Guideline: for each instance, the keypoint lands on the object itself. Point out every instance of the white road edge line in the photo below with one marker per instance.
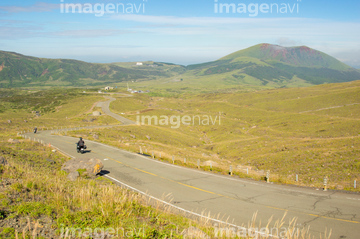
(164, 202)
(207, 173)
(186, 211)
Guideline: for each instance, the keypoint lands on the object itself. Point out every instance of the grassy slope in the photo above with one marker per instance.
(257, 67)
(240, 72)
(24, 71)
(32, 187)
(312, 132)
(274, 66)
(58, 108)
(37, 190)
(302, 55)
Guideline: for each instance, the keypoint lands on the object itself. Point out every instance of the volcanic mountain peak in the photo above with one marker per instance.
(296, 56)
(260, 65)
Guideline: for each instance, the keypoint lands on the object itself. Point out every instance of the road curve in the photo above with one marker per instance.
(105, 108)
(237, 199)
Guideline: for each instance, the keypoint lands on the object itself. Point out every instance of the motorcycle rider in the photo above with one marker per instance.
(81, 143)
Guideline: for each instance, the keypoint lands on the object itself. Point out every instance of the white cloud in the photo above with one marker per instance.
(350, 57)
(189, 39)
(18, 32)
(91, 33)
(293, 30)
(286, 41)
(198, 21)
(37, 7)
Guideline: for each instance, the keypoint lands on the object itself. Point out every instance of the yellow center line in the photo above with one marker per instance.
(206, 191)
(145, 172)
(199, 189)
(183, 184)
(338, 219)
(313, 215)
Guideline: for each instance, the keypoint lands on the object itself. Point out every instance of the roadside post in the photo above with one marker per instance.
(325, 183)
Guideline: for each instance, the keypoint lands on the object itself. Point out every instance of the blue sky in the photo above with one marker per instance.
(183, 32)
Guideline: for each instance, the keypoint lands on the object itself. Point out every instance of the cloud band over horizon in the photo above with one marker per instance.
(178, 38)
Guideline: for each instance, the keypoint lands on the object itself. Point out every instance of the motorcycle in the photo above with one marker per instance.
(80, 149)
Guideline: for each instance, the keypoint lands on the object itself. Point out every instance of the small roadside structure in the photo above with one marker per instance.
(109, 88)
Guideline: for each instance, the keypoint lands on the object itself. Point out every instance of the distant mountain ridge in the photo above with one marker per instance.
(278, 66)
(261, 65)
(17, 70)
(297, 56)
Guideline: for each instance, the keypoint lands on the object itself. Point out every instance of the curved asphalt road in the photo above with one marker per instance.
(237, 199)
(105, 108)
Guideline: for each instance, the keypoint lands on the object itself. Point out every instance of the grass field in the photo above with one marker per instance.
(36, 199)
(39, 202)
(311, 132)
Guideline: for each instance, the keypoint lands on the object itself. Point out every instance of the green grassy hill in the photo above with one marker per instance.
(302, 56)
(263, 66)
(277, 66)
(17, 70)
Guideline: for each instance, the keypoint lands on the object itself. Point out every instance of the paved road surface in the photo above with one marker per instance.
(238, 199)
(105, 108)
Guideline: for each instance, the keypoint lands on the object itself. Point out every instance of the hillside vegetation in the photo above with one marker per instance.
(37, 200)
(263, 66)
(276, 66)
(311, 132)
(17, 70)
